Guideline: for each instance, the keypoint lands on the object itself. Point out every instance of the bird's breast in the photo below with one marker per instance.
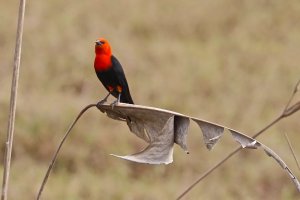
(102, 63)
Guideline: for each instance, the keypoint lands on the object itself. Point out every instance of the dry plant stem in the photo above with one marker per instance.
(58, 149)
(288, 110)
(13, 101)
(296, 89)
(292, 150)
(293, 94)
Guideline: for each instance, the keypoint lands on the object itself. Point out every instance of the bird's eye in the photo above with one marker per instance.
(102, 42)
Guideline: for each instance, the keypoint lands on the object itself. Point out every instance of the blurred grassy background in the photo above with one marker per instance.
(229, 61)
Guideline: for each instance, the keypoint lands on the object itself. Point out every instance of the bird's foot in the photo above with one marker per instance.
(100, 103)
(113, 104)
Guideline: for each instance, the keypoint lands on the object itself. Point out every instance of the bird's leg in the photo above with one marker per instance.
(116, 101)
(103, 100)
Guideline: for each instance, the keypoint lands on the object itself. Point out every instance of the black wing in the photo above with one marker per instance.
(117, 68)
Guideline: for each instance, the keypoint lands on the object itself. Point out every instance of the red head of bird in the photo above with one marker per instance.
(103, 55)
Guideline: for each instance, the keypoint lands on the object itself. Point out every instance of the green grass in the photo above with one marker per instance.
(231, 62)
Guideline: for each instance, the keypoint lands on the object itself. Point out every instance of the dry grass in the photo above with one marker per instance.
(231, 62)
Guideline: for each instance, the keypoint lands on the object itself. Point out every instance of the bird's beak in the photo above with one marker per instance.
(98, 42)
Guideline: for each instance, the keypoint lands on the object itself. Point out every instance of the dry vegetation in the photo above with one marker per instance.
(232, 62)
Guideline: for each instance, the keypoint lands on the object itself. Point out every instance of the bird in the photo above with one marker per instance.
(110, 72)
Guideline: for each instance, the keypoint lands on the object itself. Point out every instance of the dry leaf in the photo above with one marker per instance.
(162, 128)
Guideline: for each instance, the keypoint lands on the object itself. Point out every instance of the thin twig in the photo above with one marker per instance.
(58, 149)
(293, 94)
(292, 150)
(288, 110)
(13, 101)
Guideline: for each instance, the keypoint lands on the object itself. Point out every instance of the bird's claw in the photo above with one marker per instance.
(99, 104)
(113, 104)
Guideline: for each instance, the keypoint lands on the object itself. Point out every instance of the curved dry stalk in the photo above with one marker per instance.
(13, 100)
(58, 149)
(287, 111)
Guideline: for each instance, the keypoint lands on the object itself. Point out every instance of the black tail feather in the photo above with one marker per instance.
(126, 98)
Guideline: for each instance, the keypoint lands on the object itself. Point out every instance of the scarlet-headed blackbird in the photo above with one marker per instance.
(110, 73)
